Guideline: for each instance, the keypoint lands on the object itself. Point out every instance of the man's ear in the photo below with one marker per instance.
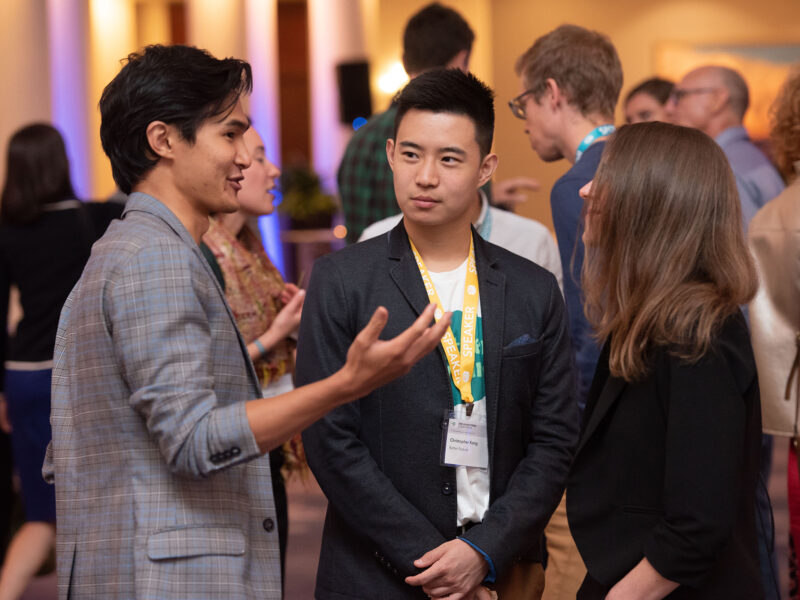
(161, 138)
(488, 167)
(390, 152)
(553, 94)
(720, 99)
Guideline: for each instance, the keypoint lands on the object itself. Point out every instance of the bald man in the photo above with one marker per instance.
(714, 100)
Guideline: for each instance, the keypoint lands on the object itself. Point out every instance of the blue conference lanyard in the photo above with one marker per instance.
(592, 137)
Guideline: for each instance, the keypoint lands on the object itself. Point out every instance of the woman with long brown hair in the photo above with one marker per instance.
(661, 495)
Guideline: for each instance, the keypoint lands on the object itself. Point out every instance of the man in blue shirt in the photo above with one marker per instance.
(570, 81)
(714, 100)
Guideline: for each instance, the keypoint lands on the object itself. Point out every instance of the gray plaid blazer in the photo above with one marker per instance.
(161, 491)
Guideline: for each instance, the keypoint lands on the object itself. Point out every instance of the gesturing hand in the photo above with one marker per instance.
(288, 318)
(288, 292)
(511, 192)
(453, 570)
(372, 363)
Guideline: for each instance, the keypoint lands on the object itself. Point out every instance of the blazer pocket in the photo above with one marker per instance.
(185, 542)
(642, 510)
(522, 350)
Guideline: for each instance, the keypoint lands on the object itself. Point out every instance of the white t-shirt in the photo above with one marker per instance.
(472, 484)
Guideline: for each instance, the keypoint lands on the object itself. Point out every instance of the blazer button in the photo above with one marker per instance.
(236, 451)
(447, 489)
(268, 524)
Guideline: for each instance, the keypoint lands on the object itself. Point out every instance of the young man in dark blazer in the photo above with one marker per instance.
(441, 482)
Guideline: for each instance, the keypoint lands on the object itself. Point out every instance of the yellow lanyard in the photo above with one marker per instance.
(461, 363)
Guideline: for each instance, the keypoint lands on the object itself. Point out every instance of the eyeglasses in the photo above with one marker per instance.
(678, 94)
(517, 105)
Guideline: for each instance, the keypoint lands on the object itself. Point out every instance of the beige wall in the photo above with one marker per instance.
(23, 69)
(635, 27)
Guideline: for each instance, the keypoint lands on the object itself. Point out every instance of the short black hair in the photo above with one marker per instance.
(451, 91)
(433, 37)
(655, 87)
(179, 85)
(37, 173)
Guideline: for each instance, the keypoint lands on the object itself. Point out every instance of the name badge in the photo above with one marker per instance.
(465, 440)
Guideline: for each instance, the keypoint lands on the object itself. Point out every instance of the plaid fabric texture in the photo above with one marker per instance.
(365, 180)
(161, 491)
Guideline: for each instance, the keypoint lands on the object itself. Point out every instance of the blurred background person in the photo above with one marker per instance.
(774, 237)
(714, 100)
(267, 310)
(661, 497)
(647, 101)
(46, 236)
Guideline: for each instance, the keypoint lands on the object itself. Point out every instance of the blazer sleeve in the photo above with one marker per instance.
(162, 342)
(538, 482)
(704, 467)
(361, 494)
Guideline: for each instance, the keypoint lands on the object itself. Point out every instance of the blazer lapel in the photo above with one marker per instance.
(492, 292)
(405, 272)
(608, 396)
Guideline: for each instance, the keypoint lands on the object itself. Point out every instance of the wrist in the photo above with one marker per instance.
(345, 385)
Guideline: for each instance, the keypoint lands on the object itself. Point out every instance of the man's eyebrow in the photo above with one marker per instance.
(445, 150)
(452, 150)
(239, 124)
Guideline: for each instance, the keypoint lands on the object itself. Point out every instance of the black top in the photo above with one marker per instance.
(44, 259)
(667, 468)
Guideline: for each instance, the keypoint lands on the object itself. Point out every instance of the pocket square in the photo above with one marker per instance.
(521, 341)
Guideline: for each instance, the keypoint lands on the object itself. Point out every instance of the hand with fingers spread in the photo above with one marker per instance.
(453, 570)
(372, 362)
(511, 192)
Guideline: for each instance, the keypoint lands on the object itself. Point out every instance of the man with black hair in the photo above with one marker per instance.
(444, 479)
(435, 37)
(162, 487)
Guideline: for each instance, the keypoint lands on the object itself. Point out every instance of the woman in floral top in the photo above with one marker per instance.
(267, 309)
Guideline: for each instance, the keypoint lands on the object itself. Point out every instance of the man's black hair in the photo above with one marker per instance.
(451, 91)
(179, 85)
(433, 37)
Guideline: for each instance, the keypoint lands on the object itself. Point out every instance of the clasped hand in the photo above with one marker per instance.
(453, 570)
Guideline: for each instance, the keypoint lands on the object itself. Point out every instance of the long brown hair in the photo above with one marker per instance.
(666, 259)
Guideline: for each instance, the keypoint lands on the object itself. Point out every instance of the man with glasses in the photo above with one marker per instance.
(570, 80)
(714, 100)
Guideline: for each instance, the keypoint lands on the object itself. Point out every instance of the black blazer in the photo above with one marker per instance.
(667, 468)
(377, 459)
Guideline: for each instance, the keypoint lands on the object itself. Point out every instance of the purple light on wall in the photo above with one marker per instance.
(67, 35)
(261, 27)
